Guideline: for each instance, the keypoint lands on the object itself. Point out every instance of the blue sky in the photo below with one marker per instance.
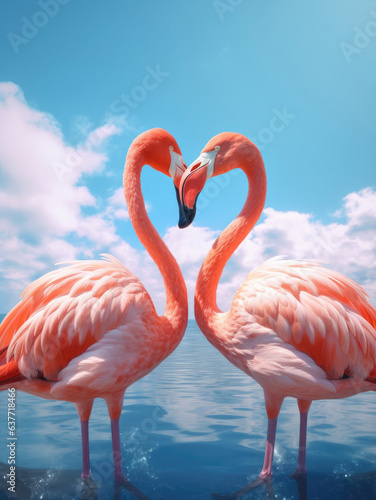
(218, 65)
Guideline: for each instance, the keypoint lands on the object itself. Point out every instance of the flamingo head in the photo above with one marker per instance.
(161, 151)
(217, 157)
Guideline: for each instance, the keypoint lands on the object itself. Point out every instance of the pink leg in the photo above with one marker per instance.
(115, 405)
(116, 449)
(85, 449)
(273, 404)
(304, 408)
(302, 444)
(269, 449)
(84, 411)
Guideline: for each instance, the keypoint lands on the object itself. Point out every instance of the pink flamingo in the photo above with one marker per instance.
(297, 328)
(90, 330)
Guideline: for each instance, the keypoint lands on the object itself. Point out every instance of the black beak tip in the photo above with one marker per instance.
(186, 217)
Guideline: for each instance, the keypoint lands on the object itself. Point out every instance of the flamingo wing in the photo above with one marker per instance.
(318, 311)
(66, 311)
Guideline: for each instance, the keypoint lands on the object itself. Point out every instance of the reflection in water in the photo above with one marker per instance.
(243, 493)
(194, 426)
(44, 484)
(127, 485)
(323, 487)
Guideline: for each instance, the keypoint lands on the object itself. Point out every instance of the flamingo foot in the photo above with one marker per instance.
(266, 474)
(89, 487)
(119, 477)
(85, 476)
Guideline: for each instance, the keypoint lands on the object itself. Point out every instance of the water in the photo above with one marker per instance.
(194, 427)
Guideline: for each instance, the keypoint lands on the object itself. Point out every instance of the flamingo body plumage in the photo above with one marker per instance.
(90, 329)
(295, 336)
(75, 319)
(299, 329)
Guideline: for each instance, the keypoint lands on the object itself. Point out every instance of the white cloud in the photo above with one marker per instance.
(116, 208)
(31, 193)
(97, 229)
(39, 208)
(191, 244)
(117, 199)
(41, 203)
(360, 209)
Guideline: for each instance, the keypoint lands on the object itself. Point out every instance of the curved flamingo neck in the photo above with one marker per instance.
(176, 310)
(229, 240)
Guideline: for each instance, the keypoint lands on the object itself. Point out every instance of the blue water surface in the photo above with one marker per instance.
(194, 428)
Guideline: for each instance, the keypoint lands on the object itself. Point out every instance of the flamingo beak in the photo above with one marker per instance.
(177, 170)
(186, 215)
(191, 184)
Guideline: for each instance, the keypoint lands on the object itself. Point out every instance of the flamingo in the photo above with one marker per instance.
(90, 330)
(297, 328)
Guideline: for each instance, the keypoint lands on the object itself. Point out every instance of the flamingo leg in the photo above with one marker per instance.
(116, 450)
(84, 411)
(302, 443)
(273, 405)
(303, 408)
(115, 405)
(85, 449)
(269, 449)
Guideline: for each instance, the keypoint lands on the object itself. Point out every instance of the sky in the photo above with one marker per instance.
(80, 80)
